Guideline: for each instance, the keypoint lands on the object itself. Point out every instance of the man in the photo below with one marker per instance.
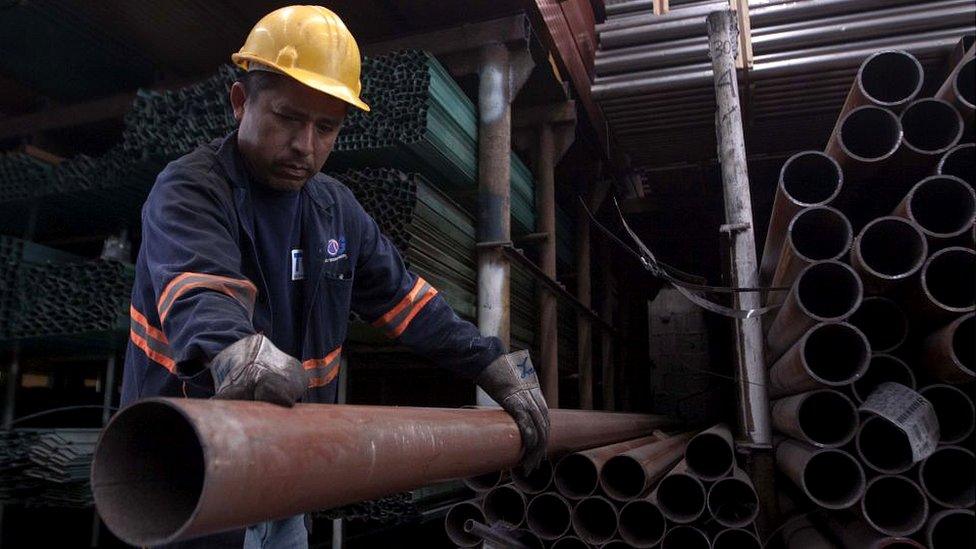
(251, 259)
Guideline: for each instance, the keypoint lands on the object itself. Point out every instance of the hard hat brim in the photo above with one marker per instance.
(315, 81)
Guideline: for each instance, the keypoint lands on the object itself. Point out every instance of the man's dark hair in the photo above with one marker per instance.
(256, 82)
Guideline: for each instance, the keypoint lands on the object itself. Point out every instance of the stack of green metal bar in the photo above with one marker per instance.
(15, 254)
(21, 176)
(46, 467)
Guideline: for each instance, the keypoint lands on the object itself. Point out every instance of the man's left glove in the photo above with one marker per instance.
(511, 381)
(254, 369)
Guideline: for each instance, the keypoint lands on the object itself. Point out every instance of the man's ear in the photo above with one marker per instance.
(237, 99)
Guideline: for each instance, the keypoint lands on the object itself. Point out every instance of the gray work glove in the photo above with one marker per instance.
(254, 369)
(511, 381)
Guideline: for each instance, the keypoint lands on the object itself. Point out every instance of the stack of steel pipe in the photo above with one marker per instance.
(888, 313)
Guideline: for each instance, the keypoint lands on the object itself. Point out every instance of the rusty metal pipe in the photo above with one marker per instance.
(732, 501)
(945, 289)
(595, 520)
(336, 454)
(534, 482)
(505, 504)
(829, 354)
(736, 538)
(883, 322)
(577, 475)
(823, 418)
(943, 207)
(959, 161)
(549, 516)
(887, 252)
(826, 291)
(569, 542)
(959, 88)
(807, 179)
(485, 482)
(830, 477)
(641, 523)
(883, 447)
(865, 138)
(685, 537)
(680, 495)
(631, 474)
(882, 368)
(457, 516)
(951, 528)
(948, 353)
(894, 505)
(890, 78)
(948, 477)
(814, 234)
(954, 411)
(710, 454)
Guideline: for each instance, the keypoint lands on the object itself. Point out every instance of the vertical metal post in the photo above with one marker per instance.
(545, 206)
(723, 41)
(109, 389)
(494, 195)
(10, 389)
(338, 533)
(583, 326)
(606, 338)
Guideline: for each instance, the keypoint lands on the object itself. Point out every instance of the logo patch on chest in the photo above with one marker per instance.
(336, 246)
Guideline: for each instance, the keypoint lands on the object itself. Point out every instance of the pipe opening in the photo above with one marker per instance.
(895, 505)
(931, 126)
(965, 83)
(148, 473)
(883, 322)
(836, 354)
(954, 410)
(943, 206)
(576, 476)
(505, 504)
(548, 515)
(735, 538)
(709, 456)
(949, 477)
(623, 478)
(828, 290)
(964, 343)
(681, 498)
(733, 502)
(960, 162)
(819, 234)
(891, 247)
(685, 537)
(833, 479)
(595, 520)
(882, 368)
(956, 528)
(535, 482)
(883, 446)
(870, 134)
(811, 178)
(641, 524)
(948, 278)
(485, 482)
(828, 418)
(891, 77)
(454, 523)
(569, 542)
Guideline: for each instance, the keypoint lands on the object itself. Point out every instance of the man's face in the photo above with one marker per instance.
(286, 132)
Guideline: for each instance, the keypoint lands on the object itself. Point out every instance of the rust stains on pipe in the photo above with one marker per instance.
(814, 234)
(883, 446)
(595, 520)
(736, 538)
(951, 528)
(680, 495)
(577, 475)
(823, 418)
(549, 516)
(240, 463)
(505, 504)
(945, 289)
(631, 474)
(685, 537)
(948, 477)
(882, 368)
(949, 354)
(894, 505)
(641, 523)
(732, 501)
(710, 454)
(457, 516)
(959, 161)
(887, 252)
(943, 207)
(829, 354)
(537, 481)
(954, 411)
(883, 322)
(830, 477)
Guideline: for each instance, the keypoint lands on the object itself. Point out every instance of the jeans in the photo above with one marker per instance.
(288, 533)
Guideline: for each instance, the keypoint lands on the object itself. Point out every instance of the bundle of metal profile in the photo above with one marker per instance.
(15, 255)
(46, 467)
(22, 176)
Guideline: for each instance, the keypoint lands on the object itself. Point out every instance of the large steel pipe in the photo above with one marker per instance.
(710, 454)
(595, 520)
(230, 454)
(943, 207)
(948, 477)
(631, 474)
(577, 475)
(823, 418)
(549, 516)
(680, 495)
(930, 128)
(894, 505)
(814, 234)
(831, 478)
(890, 79)
(954, 411)
(457, 517)
(883, 322)
(535, 481)
(882, 368)
(887, 252)
(951, 529)
(830, 354)
(685, 537)
(641, 523)
(949, 355)
(732, 501)
(826, 291)
(505, 504)
(883, 446)
(959, 161)
(864, 139)
(736, 538)
(960, 87)
(945, 289)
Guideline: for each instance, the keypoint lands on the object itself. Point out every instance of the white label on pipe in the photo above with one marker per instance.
(910, 412)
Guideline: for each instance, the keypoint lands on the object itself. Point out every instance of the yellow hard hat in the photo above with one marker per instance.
(310, 44)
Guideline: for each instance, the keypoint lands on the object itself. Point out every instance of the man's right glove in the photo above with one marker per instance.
(254, 369)
(511, 381)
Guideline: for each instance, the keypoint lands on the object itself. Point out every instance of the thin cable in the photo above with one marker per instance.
(61, 409)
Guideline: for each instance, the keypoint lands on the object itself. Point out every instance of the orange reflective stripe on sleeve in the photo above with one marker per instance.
(398, 319)
(323, 370)
(150, 340)
(242, 290)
